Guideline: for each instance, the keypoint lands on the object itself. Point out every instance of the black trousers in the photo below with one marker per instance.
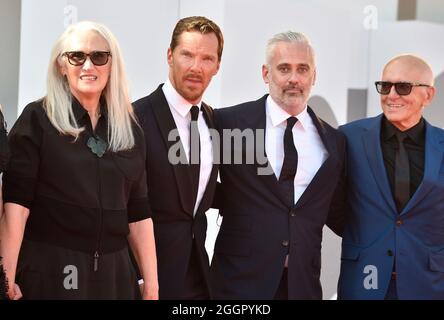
(282, 291)
(195, 287)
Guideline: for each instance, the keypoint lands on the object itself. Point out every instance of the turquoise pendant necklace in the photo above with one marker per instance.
(97, 146)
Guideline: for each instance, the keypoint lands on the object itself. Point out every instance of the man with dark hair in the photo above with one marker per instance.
(181, 188)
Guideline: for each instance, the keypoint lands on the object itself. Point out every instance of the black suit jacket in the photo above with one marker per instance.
(258, 228)
(172, 198)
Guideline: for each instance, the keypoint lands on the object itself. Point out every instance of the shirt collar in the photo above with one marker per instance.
(415, 133)
(279, 115)
(79, 111)
(176, 101)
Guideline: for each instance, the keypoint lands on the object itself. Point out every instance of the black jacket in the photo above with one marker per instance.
(76, 199)
(171, 198)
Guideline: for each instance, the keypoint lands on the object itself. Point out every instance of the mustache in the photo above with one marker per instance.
(293, 87)
(193, 77)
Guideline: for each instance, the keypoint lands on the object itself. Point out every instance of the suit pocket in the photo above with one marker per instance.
(436, 261)
(350, 252)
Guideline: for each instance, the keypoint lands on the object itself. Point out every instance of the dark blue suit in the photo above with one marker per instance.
(376, 235)
(259, 228)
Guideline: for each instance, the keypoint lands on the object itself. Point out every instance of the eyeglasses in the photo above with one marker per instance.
(78, 58)
(402, 88)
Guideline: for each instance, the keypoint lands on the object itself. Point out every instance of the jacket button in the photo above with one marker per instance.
(285, 243)
(390, 253)
(292, 213)
(399, 223)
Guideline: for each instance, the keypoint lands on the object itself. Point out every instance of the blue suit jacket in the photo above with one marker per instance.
(376, 236)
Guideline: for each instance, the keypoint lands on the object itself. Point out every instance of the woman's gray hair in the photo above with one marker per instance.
(288, 36)
(58, 100)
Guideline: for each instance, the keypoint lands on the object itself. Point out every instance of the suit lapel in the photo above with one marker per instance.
(257, 122)
(166, 124)
(209, 191)
(208, 115)
(330, 164)
(434, 153)
(372, 147)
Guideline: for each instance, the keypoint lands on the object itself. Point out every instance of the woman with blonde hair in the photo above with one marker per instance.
(75, 189)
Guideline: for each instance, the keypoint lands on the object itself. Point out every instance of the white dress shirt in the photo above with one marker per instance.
(308, 143)
(180, 109)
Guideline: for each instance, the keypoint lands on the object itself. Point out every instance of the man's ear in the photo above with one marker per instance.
(430, 93)
(314, 78)
(217, 68)
(170, 57)
(265, 73)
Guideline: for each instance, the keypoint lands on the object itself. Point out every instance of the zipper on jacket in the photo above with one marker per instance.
(96, 261)
(99, 235)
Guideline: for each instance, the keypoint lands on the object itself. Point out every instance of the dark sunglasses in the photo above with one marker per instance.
(78, 58)
(402, 88)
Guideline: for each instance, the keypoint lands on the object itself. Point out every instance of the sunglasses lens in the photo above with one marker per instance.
(76, 58)
(383, 87)
(99, 58)
(403, 88)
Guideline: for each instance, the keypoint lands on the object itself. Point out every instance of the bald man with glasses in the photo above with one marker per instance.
(393, 196)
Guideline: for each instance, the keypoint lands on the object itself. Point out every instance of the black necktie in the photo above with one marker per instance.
(288, 172)
(402, 173)
(194, 158)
